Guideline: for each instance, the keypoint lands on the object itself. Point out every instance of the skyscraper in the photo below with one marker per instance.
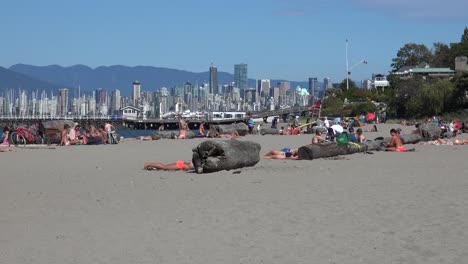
(313, 88)
(263, 87)
(327, 83)
(115, 104)
(240, 76)
(136, 93)
(213, 79)
(62, 102)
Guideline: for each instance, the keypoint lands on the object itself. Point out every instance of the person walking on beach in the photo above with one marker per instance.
(395, 143)
(182, 128)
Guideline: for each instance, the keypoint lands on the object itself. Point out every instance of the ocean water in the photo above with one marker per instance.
(131, 133)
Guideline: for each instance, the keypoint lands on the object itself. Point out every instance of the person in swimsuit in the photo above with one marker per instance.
(65, 141)
(395, 143)
(285, 153)
(318, 137)
(6, 134)
(178, 165)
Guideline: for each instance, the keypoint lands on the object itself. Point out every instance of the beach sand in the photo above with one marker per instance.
(95, 204)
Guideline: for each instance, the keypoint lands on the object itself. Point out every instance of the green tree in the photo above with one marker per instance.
(410, 55)
(331, 105)
(436, 97)
(443, 57)
(351, 85)
(460, 92)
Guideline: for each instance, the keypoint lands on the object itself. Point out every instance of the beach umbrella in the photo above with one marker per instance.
(362, 118)
(370, 116)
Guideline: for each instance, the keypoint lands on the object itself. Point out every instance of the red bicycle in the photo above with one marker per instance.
(22, 136)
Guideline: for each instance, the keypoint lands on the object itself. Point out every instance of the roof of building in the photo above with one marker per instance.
(431, 70)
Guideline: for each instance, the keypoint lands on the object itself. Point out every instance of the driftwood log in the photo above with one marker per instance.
(241, 128)
(211, 156)
(170, 135)
(269, 131)
(53, 129)
(425, 132)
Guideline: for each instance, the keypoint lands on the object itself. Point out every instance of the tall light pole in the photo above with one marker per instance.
(349, 69)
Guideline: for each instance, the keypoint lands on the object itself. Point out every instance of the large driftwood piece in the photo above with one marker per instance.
(269, 131)
(210, 156)
(170, 135)
(241, 128)
(425, 132)
(53, 129)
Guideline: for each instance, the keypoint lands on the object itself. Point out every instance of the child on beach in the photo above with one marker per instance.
(6, 134)
(395, 143)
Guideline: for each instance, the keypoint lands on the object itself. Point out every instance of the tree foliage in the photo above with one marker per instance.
(410, 55)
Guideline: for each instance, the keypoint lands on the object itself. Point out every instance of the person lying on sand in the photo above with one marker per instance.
(5, 149)
(440, 141)
(142, 138)
(285, 153)
(178, 165)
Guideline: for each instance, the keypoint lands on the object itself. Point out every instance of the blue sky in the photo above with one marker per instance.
(278, 39)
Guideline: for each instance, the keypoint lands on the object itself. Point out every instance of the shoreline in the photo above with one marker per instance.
(96, 204)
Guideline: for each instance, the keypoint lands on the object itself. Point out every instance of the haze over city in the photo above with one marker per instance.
(278, 39)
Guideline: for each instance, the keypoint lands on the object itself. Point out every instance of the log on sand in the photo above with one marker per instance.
(211, 156)
(241, 128)
(170, 135)
(425, 132)
(269, 131)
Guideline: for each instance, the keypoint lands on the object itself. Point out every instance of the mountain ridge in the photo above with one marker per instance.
(121, 77)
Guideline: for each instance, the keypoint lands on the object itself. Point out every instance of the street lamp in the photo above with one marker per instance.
(348, 70)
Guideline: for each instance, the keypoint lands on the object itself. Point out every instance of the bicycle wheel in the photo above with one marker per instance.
(17, 139)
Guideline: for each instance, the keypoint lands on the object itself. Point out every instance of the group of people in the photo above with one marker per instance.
(89, 136)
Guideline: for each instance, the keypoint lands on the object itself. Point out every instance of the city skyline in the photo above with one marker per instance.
(300, 38)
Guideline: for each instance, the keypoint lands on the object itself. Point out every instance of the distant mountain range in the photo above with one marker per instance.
(53, 77)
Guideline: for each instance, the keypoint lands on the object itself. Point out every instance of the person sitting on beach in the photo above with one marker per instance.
(395, 143)
(178, 165)
(201, 129)
(76, 137)
(318, 137)
(108, 127)
(285, 153)
(359, 136)
(281, 131)
(93, 137)
(373, 129)
(65, 139)
(6, 134)
(103, 134)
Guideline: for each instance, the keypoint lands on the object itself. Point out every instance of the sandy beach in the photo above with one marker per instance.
(96, 204)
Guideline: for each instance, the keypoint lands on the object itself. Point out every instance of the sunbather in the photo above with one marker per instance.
(285, 153)
(178, 165)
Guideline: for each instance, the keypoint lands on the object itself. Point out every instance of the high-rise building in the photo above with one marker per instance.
(263, 87)
(115, 101)
(240, 76)
(62, 101)
(327, 83)
(284, 87)
(213, 79)
(136, 93)
(313, 89)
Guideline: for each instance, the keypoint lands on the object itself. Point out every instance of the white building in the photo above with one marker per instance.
(130, 112)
